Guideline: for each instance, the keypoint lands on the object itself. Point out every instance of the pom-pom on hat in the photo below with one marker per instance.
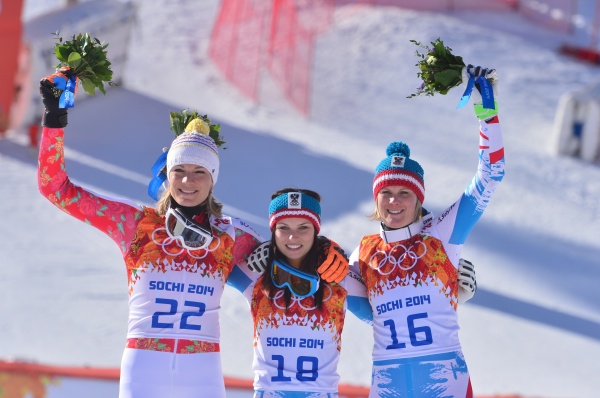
(295, 204)
(194, 146)
(399, 169)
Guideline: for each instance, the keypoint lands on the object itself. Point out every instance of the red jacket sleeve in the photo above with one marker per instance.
(116, 218)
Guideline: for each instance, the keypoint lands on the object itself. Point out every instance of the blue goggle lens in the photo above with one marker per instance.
(300, 283)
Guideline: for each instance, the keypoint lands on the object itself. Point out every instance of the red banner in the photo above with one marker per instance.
(10, 43)
(277, 36)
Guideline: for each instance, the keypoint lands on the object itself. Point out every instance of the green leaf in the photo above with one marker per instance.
(176, 123)
(62, 53)
(74, 60)
(447, 77)
(88, 86)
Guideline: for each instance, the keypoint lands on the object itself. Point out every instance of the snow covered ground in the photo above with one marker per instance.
(534, 326)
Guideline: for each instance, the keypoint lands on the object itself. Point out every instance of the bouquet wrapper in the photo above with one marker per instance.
(486, 90)
(68, 85)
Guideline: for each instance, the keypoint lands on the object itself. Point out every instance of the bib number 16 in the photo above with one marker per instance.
(419, 335)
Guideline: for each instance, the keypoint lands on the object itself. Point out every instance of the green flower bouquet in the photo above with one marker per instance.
(86, 57)
(439, 69)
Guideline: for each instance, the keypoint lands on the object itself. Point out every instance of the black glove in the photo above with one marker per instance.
(54, 116)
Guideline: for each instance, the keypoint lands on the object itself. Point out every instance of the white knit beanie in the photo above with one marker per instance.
(194, 148)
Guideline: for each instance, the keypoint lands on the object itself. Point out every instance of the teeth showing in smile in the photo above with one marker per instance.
(293, 246)
(395, 211)
(184, 191)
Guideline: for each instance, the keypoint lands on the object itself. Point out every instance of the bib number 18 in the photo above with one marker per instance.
(307, 368)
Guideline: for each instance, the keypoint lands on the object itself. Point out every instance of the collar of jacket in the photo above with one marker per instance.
(404, 233)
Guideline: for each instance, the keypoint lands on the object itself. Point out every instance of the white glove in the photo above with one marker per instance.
(257, 261)
(467, 285)
(477, 71)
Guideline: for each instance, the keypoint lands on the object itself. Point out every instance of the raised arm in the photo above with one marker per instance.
(462, 216)
(116, 218)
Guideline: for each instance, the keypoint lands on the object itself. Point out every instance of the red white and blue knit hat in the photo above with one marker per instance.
(398, 169)
(295, 204)
(194, 148)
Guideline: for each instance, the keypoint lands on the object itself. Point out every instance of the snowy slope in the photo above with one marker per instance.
(534, 326)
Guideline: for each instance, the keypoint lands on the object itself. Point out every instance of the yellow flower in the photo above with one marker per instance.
(198, 125)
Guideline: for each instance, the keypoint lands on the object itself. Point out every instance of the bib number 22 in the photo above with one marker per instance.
(197, 309)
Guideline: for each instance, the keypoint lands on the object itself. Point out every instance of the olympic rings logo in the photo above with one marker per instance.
(278, 297)
(382, 260)
(166, 244)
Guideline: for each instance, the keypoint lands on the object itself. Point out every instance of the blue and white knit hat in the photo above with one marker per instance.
(398, 169)
(295, 204)
(194, 148)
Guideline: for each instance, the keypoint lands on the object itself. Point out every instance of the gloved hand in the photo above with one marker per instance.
(477, 71)
(54, 116)
(333, 262)
(492, 77)
(467, 285)
(257, 261)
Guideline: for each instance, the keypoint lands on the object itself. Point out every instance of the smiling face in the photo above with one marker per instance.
(294, 237)
(189, 184)
(396, 206)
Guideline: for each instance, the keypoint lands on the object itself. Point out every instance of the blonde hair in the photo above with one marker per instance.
(375, 216)
(213, 206)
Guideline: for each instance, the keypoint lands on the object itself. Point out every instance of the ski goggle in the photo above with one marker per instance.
(187, 232)
(300, 283)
